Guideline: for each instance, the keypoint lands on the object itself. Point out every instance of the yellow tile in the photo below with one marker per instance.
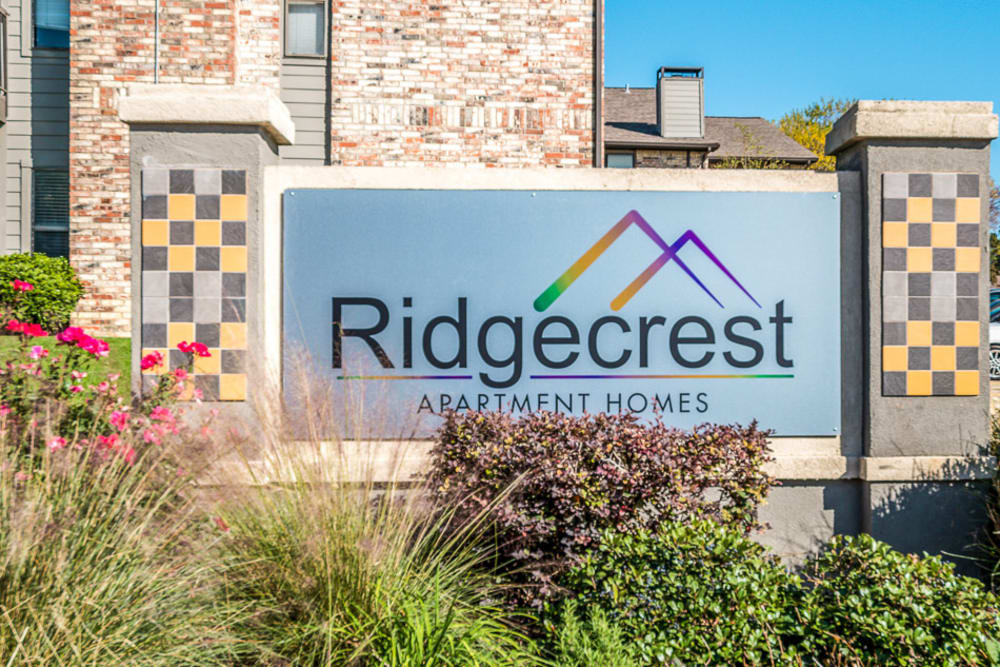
(894, 235)
(187, 390)
(161, 367)
(180, 258)
(967, 383)
(233, 207)
(233, 387)
(967, 209)
(943, 234)
(967, 259)
(209, 365)
(967, 334)
(233, 258)
(918, 334)
(178, 332)
(209, 232)
(918, 259)
(155, 232)
(233, 335)
(919, 209)
(180, 207)
(918, 383)
(894, 358)
(942, 358)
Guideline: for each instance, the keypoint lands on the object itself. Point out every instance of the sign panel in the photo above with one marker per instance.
(700, 306)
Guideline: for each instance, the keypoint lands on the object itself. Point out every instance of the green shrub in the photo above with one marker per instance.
(570, 478)
(870, 604)
(55, 294)
(698, 593)
(589, 641)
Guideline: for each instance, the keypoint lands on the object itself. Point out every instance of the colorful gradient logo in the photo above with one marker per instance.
(562, 283)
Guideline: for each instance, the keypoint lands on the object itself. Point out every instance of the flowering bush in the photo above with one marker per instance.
(52, 397)
(562, 480)
(38, 289)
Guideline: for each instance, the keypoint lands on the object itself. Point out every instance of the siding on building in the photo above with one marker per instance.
(303, 90)
(37, 120)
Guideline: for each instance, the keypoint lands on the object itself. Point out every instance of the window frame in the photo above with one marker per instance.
(326, 29)
(32, 34)
(608, 154)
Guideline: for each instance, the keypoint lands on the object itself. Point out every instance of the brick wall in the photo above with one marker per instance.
(662, 159)
(492, 82)
(112, 46)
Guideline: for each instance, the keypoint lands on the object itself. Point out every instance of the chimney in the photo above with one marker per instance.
(680, 102)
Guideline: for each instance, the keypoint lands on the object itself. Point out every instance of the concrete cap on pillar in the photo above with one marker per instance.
(201, 104)
(907, 119)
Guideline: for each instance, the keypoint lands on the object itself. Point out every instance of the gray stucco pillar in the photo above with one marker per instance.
(198, 155)
(925, 301)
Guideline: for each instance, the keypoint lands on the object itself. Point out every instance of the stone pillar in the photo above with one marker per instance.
(925, 191)
(197, 160)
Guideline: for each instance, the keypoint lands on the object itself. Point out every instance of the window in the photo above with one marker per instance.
(52, 24)
(620, 160)
(50, 212)
(305, 28)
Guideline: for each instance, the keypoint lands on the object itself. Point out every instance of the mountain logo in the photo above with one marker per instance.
(562, 283)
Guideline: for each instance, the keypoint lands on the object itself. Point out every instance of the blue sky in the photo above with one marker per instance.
(763, 58)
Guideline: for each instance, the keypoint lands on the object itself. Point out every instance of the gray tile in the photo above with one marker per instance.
(181, 284)
(894, 384)
(968, 185)
(895, 186)
(206, 207)
(181, 232)
(154, 335)
(919, 234)
(234, 310)
(181, 309)
(149, 384)
(943, 210)
(154, 258)
(234, 182)
(943, 259)
(967, 358)
(920, 185)
(943, 383)
(967, 235)
(944, 186)
(155, 309)
(894, 210)
(919, 358)
(894, 259)
(155, 182)
(154, 207)
(919, 308)
(894, 309)
(234, 361)
(207, 333)
(943, 333)
(942, 308)
(943, 283)
(894, 333)
(207, 284)
(209, 181)
(209, 386)
(207, 310)
(206, 259)
(967, 284)
(234, 284)
(234, 233)
(176, 359)
(894, 283)
(967, 309)
(155, 283)
(918, 284)
(181, 181)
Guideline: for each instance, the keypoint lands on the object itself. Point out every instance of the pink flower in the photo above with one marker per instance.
(15, 326)
(151, 360)
(162, 414)
(38, 352)
(108, 441)
(180, 374)
(4, 410)
(33, 330)
(22, 286)
(78, 375)
(194, 348)
(149, 435)
(21, 476)
(198, 394)
(129, 455)
(75, 388)
(221, 523)
(70, 335)
(56, 443)
(103, 387)
(119, 419)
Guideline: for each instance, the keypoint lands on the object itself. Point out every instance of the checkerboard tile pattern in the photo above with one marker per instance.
(931, 261)
(194, 274)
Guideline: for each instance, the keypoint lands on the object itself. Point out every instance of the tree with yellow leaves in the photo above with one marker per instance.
(810, 125)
